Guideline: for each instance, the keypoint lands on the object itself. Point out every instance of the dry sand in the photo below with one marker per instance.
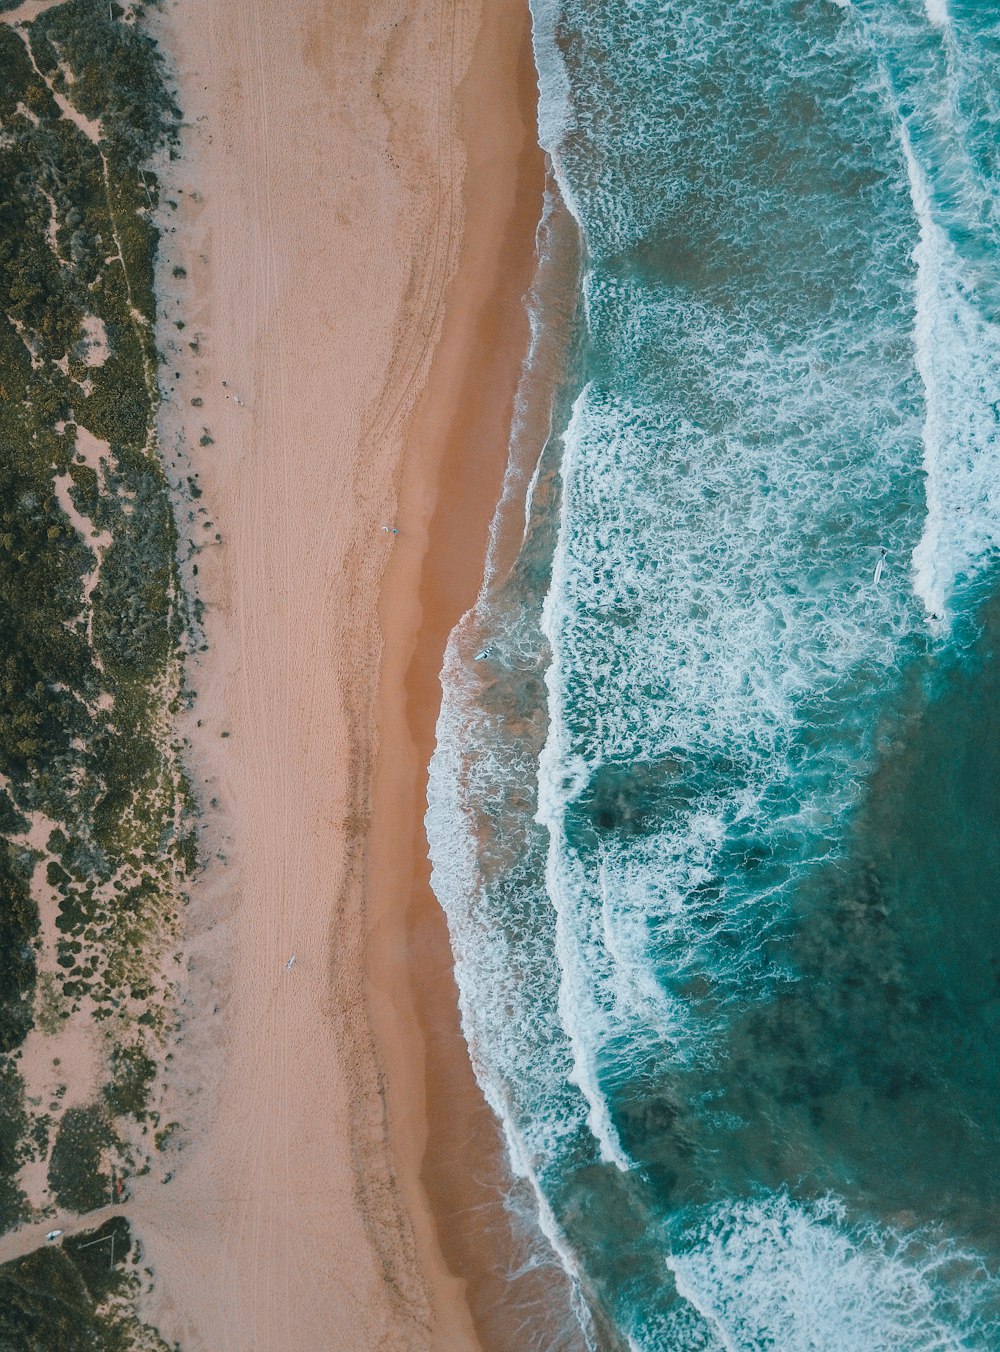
(357, 200)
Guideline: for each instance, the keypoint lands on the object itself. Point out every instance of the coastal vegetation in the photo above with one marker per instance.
(14, 1148)
(76, 1297)
(96, 816)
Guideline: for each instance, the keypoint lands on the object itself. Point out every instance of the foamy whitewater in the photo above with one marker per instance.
(715, 808)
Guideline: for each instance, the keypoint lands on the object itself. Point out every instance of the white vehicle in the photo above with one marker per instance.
(52, 1235)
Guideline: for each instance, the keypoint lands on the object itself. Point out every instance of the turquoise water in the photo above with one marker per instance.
(716, 817)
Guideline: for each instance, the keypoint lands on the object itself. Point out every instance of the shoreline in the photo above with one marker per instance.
(326, 335)
(466, 410)
(525, 1276)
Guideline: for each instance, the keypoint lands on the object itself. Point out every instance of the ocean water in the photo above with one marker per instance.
(715, 807)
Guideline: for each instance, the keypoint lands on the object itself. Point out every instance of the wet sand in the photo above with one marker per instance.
(356, 204)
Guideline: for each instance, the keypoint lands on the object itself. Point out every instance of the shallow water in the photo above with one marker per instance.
(714, 821)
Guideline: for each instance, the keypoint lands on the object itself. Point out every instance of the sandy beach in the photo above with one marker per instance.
(356, 205)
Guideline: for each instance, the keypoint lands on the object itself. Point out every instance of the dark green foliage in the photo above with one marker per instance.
(91, 1253)
(76, 1176)
(132, 628)
(43, 660)
(44, 1304)
(132, 1074)
(56, 875)
(83, 766)
(79, 731)
(82, 858)
(14, 1126)
(17, 72)
(55, 159)
(50, 1299)
(138, 237)
(118, 74)
(189, 851)
(119, 410)
(86, 493)
(18, 926)
(12, 822)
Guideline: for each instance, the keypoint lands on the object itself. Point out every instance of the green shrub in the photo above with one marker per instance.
(91, 1253)
(18, 927)
(14, 1127)
(132, 1073)
(44, 1305)
(52, 1298)
(118, 75)
(76, 1176)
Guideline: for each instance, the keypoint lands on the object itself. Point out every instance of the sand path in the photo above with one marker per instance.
(320, 225)
(27, 1238)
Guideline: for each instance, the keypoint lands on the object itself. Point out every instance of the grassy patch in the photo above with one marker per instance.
(50, 1004)
(133, 1072)
(18, 927)
(73, 1297)
(14, 1128)
(79, 1175)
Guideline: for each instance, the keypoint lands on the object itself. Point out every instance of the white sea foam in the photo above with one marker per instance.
(513, 1037)
(711, 659)
(521, 471)
(555, 101)
(937, 12)
(576, 955)
(777, 1273)
(957, 353)
(930, 576)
